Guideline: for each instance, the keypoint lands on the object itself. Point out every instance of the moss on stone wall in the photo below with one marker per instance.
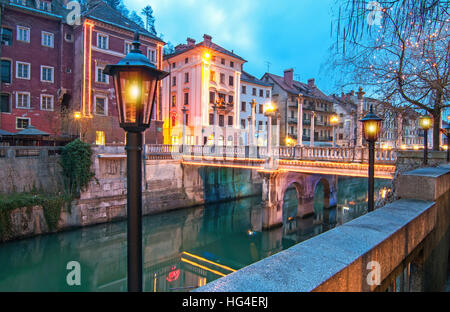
(50, 203)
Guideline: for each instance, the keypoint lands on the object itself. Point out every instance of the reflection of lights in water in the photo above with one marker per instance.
(346, 208)
(290, 218)
(351, 203)
(250, 232)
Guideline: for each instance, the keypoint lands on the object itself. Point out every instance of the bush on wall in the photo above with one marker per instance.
(76, 164)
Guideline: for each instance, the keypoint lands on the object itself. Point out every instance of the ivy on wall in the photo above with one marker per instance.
(76, 165)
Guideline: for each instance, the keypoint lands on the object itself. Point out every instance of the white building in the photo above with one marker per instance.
(259, 93)
(200, 75)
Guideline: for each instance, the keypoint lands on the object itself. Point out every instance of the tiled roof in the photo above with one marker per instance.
(252, 79)
(102, 12)
(210, 45)
(299, 87)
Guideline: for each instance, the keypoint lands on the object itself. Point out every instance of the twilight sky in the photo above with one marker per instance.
(286, 33)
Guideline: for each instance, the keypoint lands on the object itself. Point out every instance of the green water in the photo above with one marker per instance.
(182, 249)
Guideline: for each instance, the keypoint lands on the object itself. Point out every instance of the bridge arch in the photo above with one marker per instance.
(275, 185)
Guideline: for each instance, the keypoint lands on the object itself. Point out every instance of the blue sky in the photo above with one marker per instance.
(287, 33)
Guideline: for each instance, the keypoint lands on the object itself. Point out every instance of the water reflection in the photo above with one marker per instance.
(182, 249)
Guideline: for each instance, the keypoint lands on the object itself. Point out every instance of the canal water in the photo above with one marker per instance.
(183, 249)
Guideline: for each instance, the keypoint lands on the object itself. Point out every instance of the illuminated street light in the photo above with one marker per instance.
(425, 123)
(371, 130)
(135, 83)
(269, 112)
(334, 119)
(77, 117)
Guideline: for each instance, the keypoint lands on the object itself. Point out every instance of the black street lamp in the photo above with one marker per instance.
(425, 123)
(371, 132)
(135, 82)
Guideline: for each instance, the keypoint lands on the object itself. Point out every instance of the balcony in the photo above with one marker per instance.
(292, 120)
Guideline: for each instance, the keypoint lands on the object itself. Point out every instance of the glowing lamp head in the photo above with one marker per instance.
(269, 109)
(371, 125)
(77, 115)
(334, 119)
(206, 56)
(135, 83)
(425, 122)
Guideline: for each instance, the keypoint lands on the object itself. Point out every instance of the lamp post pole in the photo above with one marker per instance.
(371, 125)
(132, 76)
(425, 147)
(371, 192)
(134, 210)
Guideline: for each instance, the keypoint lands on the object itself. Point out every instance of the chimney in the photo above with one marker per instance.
(289, 77)
(180, 47)
(311, 83)
(190, 42)
(207, 39)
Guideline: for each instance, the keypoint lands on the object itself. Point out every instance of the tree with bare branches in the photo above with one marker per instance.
(400, 50)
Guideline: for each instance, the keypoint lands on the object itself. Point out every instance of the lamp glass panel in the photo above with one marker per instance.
(371, 129)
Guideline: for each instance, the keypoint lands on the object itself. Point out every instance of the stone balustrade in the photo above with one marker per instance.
(335, 154)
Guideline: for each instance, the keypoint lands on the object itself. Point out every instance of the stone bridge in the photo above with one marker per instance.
(275, 185)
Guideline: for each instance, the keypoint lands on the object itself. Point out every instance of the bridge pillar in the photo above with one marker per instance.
(272, 205)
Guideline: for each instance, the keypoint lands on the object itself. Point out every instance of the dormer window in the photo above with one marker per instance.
(45, 6)
(151, 55)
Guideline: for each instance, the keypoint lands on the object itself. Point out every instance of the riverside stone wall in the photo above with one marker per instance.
(167, 185)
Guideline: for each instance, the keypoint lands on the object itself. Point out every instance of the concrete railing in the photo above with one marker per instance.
(403, 246)
(335, 154)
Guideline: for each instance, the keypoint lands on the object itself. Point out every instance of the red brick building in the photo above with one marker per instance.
(50, 69)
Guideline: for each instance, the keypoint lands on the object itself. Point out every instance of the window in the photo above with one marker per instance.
(68, 37)
(231, 64)
(186, 77)
(260, 125)
(254, 91)
(102, 41)
(174, 100)
(187, 119)
(244, 90)
(99, 137)
(128, 47)
(47, 73)
(222, 78)
(22, 70)
(211, 119)
(230, 99)
(46, 102)
(242, 123)
(261, 92)
(212, 97)
(47, 39)
(6, 71)
(174, 81)
(243, 107)
(23, 100)
(101, 76)
(212, 76)
(261, 109)
(22, 123)
(101, 105)
(222, 61)
(221, 120)
(231, 80)
(152, 55)
(230, 121)
(6, 36)
(5, 103)
(186, 60)
(267, 94)
(23, 34)
(45, 6)
(173, 64)
(186, 98)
